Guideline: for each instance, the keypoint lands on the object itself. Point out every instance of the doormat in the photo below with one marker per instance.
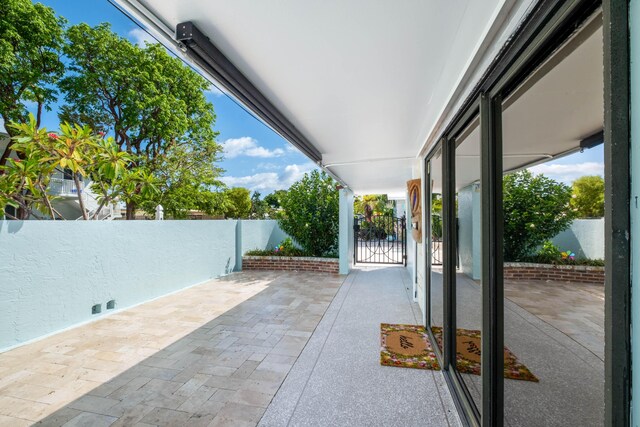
(408, 346)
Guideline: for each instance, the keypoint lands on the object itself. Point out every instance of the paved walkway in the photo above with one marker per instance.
(338, 379)
(214, 354)
(576, 309)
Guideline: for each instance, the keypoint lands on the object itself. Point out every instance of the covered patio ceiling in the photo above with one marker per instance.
(365, 83)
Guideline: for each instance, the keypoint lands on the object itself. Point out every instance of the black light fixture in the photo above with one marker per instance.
(592, 141)
(195, 44)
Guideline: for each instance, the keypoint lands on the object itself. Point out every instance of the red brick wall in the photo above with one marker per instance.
(317, 265)
(561, 273)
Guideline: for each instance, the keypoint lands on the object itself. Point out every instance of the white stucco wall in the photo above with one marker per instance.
(257, 234)
(53, 272)
(585, 237)
(345, 242)
(469, 231)
(412, 248)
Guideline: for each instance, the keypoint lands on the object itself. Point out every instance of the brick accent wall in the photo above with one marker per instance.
(316, 265)
(560, 273)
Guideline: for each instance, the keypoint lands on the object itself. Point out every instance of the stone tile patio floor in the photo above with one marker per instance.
(217, 353)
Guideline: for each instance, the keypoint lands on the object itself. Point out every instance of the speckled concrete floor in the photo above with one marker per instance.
(338, 379)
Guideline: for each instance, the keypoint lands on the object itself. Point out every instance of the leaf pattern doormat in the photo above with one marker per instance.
(408, 346)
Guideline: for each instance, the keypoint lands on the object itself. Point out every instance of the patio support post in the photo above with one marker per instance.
(492, 262)
(634, 25)
(449, 253)
(345, 239)
(617, 305)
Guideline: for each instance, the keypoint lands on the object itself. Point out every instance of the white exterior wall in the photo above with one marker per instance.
(345, 242)
(470, 231)
(53, 272)
(585, 237)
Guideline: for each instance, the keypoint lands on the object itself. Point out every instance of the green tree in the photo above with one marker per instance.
(31, 37)
(188, 179)
(588, 196)
(536, 208)
(273, 199)
(155, 107)
(259, 207)
(310, 213)
(238, 203)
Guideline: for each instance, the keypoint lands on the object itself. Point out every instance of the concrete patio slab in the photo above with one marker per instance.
(213, 354)
(338, 379)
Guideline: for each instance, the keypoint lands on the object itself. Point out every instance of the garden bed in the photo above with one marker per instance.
(290, 263)
(560, 273)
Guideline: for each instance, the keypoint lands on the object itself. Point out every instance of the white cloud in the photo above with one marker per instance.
(267, 166)
(291, 149)
(214, 91)
(267, 182)
(568, 173)
(247, 146)
(140, 37)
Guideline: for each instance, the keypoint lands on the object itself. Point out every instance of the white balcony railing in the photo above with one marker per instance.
(63, 187)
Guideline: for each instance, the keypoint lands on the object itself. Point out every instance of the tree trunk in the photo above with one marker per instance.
(22, 213)
(76, 180)
(97, 212)
(131, 211)
(39, 115)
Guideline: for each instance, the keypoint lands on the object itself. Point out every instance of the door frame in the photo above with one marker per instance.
(546, 27)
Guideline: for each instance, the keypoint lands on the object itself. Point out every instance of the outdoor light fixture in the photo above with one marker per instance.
(212, 60)
(592, 141)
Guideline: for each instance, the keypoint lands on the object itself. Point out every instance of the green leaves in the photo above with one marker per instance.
(310, 213)
(31, 38)
(238, 203)
(588, 196)
(536, 208)
(157, 111)
(163, 148)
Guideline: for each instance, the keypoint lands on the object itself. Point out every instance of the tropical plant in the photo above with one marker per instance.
(31, 38)
(285, 248)
(373, 204)
(77, 149)
(588, 196)
(310, 213)
(548, 253)
(155, 107)
(536, 208)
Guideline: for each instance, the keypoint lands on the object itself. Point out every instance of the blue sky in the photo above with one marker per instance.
(256, 157)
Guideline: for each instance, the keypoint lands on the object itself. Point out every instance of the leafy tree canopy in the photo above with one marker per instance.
(259, 207)
(310, 213)
(273, 199)
(536, 208)
(155, 107)
(31, 37)
(588, 196)
(238, 203)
